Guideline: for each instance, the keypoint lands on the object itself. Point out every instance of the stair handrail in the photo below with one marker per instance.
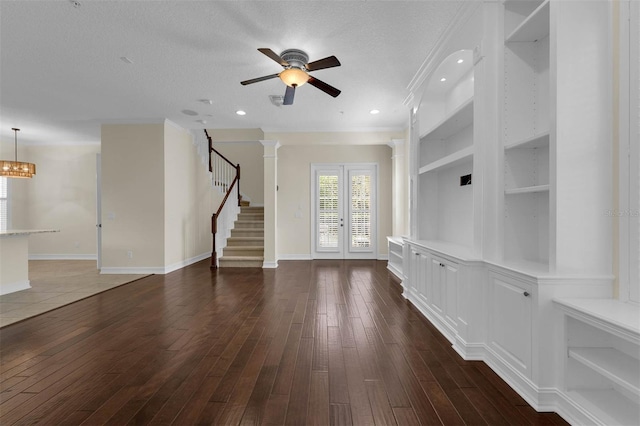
(235, 183)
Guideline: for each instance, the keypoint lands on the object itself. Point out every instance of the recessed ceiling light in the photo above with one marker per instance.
(374, 112)
(241, 112)
(189, 112)
(75, 3)
(202, 121)
(443, 79)
(126, 60)
(460, 61)
(206, 101)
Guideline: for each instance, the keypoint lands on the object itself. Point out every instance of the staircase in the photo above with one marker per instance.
(245, 247)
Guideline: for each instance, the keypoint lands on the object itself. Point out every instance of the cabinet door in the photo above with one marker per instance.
(423, 276)
(450, 284)
(510, 321)
(436, 294)
(414, 270)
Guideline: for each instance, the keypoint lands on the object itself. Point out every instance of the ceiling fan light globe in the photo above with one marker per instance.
(294, 77)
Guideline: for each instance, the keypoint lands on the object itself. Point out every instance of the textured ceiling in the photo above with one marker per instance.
(61, 73)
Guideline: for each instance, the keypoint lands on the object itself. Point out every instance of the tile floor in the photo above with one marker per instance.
(56, 283)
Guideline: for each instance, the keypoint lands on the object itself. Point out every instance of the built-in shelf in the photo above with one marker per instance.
(527, 190)
(524, 267)
(534, 28)
(450, 160)
(618, 367)
(622, 319)
(608, 406)
(460, 118)
(540, 140)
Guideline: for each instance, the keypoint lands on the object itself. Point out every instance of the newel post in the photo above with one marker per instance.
(214, 229)
(238, 182)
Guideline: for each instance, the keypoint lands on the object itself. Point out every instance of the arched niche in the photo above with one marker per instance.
(448, 87)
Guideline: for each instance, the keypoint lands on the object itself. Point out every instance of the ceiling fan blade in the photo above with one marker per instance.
(256, 80)
(273, 55)
(288, 95)
(321, 64)
(329, 90)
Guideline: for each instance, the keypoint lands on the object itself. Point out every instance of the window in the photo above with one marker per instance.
(4, 209)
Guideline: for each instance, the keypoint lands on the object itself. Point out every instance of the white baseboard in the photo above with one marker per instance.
(15, 286)
(186, 262)
(383, 257)
(269, 264)
(294, 257)
(133, 270)
(157, 270)
(63, 257)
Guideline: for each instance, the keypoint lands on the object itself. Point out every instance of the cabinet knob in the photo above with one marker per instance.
(526, 294)
(442, 265)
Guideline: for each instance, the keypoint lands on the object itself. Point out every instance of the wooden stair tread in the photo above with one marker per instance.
(232, 258)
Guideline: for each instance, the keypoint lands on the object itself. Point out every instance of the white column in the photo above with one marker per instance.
(399, 192)
(270, 203)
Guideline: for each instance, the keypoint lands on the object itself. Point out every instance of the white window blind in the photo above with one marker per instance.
(328, 211)
(361, 211)
(3, 203)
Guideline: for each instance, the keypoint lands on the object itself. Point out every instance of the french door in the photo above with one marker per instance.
(344, 210)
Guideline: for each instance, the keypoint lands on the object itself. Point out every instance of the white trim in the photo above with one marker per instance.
(176, 126)
(63, 257)
(306, 256)
(157, 270)
(269, 264)
(275, 144)
(186, 262)
(383, 256)
(143, 270)
(15, 286)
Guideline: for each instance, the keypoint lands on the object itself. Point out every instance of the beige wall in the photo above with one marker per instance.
(62, 195)
(294, 181)
(133, 195)
(250, 157)
(188, 199)
(157, 198)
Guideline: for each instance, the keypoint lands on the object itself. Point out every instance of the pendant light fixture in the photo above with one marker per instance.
(16, 169)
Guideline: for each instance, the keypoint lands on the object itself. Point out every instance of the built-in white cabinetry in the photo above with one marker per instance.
(601, 362)
(394, 263)
(511, 181)
(511, 176)
(448, 290)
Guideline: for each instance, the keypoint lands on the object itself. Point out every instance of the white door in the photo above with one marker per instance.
(344, 211)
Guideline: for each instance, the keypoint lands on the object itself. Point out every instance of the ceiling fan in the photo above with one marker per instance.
(296, 72)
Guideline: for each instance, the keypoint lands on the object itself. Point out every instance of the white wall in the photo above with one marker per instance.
(157, 199)
(62, 195)
(133, 195)
(250, 157)
(188, 199)
(294, 174)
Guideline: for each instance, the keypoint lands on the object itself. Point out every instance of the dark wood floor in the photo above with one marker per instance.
(310, 343)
